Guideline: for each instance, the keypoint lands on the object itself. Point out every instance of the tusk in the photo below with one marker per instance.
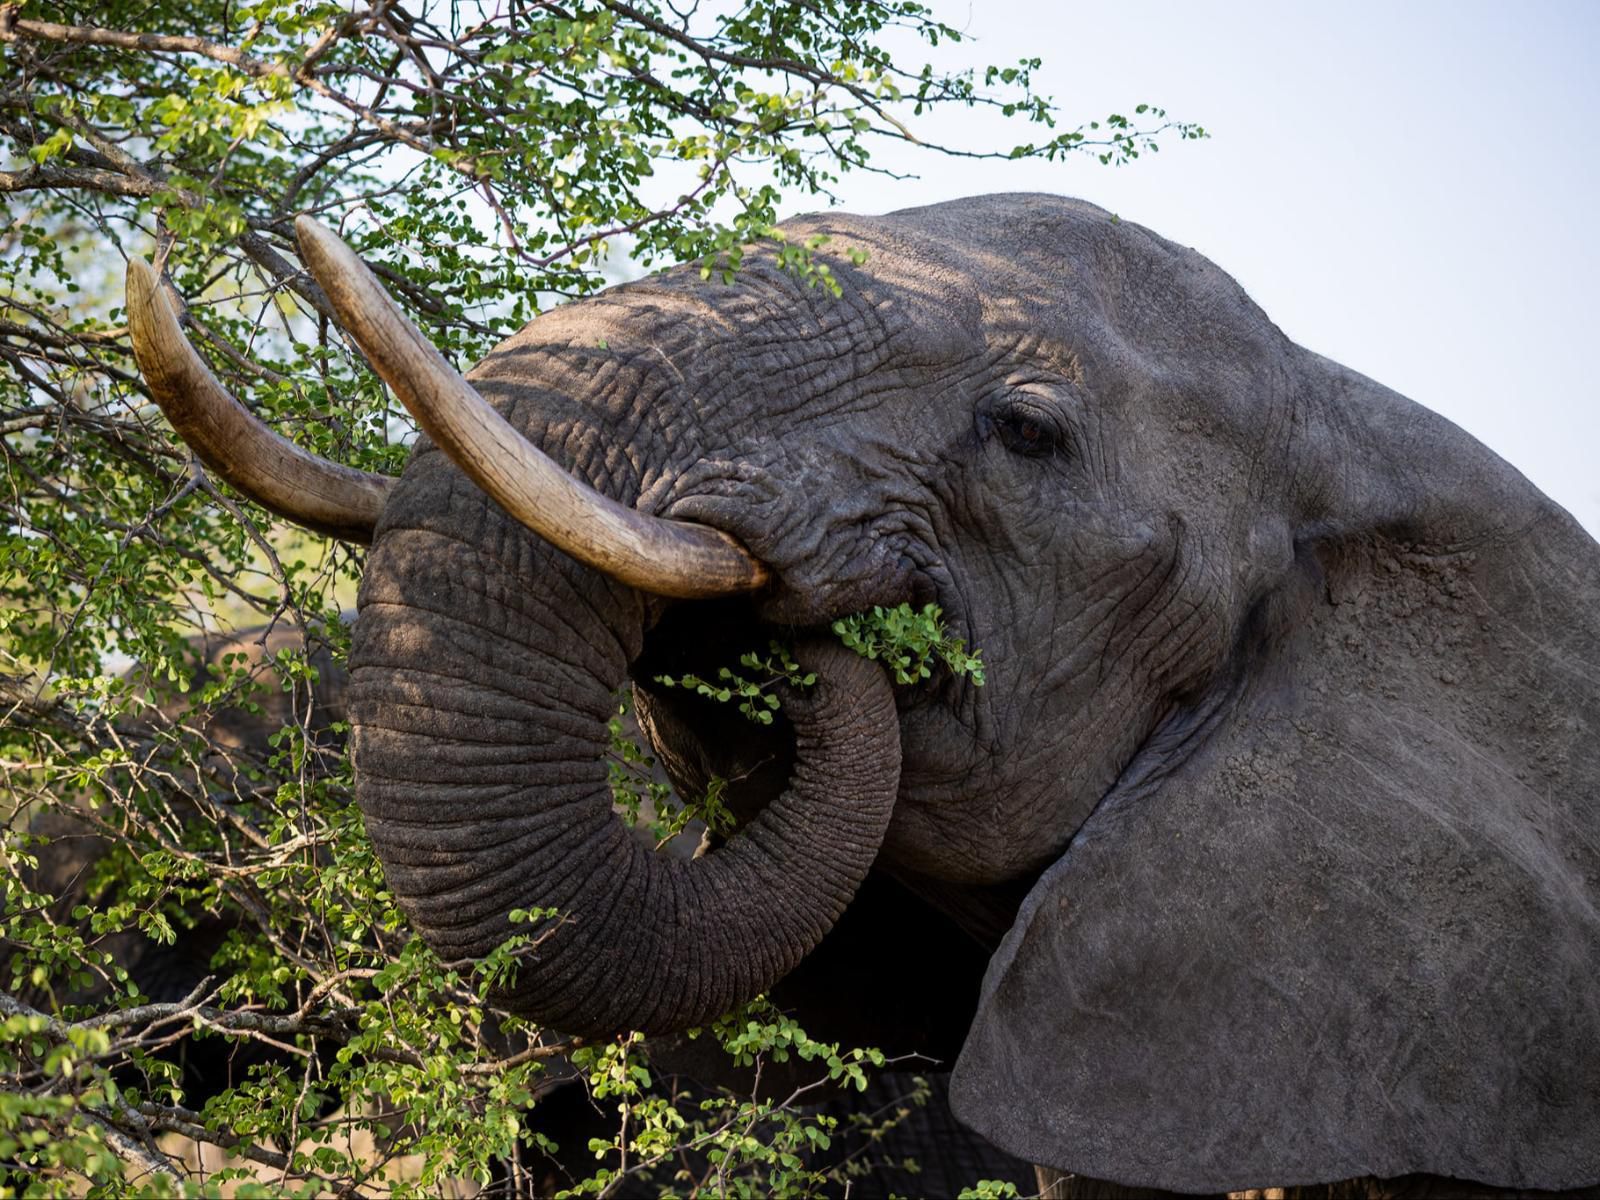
(669, 558)
(339, 501)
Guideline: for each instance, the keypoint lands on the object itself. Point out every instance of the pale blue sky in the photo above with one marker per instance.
(1409, 188)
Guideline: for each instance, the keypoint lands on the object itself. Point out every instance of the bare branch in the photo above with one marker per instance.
(14, 29)
(39, 178)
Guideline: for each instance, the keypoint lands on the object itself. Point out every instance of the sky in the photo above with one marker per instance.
(1408, 188)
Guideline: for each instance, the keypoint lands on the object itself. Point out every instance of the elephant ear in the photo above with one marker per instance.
(1348, 924)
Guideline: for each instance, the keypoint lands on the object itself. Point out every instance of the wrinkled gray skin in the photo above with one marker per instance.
(1292, 722)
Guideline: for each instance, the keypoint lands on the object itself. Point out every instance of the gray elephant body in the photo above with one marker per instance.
(1291, 736)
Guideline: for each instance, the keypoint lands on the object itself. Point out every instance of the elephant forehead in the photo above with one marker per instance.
(911, 278)
(700, 359)
(923, 287)
(892, 278)
(1062, 267)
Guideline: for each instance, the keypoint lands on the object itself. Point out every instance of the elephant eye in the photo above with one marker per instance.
(1027, 433)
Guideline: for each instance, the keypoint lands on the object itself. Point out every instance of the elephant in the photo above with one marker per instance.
(1274, 819)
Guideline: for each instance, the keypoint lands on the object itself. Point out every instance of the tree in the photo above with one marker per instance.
(490, 160)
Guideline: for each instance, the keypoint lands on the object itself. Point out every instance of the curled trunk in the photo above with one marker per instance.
(480, 712)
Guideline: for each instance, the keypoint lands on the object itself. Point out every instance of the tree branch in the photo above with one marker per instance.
(42, 178)
(14, 28)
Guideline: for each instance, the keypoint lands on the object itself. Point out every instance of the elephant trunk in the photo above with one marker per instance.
(480, 716)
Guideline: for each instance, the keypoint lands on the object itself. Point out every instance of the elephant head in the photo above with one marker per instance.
(1289, 755)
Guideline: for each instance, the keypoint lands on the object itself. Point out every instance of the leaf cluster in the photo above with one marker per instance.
(642, 797)
(908, 642)
(756, 696)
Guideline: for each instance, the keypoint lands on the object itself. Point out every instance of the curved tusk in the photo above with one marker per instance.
(339, 501)
(669, 558)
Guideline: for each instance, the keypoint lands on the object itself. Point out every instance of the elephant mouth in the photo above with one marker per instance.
(723, 741)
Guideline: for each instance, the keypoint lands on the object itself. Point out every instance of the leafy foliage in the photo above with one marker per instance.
(907, 641)
(757, 698)
(989, 1189)
(489, 161)
(640, 793)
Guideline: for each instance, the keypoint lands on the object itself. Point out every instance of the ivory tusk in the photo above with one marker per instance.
(324, 496)
(669, 558)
